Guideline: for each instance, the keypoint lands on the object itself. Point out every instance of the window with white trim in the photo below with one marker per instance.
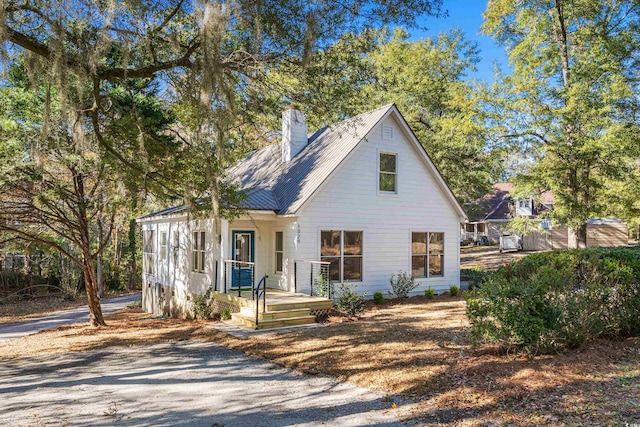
(279, 252)
(163, 246)
(427, 254)
(197, 251)
(343, 249)
(388, 180)
(176, 246)
(148, 251)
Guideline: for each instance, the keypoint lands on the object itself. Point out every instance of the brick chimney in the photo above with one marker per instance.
(294, 133)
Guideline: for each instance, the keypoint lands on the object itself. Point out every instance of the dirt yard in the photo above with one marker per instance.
(487, 257)
(416, 349)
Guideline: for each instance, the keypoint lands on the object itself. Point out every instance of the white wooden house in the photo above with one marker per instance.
(358, 201)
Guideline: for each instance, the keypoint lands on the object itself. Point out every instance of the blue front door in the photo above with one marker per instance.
(243, 252)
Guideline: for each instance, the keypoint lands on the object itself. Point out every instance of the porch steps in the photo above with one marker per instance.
(273, 320)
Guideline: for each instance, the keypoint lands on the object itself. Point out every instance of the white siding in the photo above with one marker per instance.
(350, 200)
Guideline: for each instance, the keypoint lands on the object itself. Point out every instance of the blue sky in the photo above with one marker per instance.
(467, 15)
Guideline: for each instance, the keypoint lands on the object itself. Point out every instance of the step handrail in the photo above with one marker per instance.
(263, 294)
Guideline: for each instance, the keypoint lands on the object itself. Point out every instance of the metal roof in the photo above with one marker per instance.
(264, 175)
(283, 187)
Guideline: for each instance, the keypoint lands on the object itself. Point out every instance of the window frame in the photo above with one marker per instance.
(198, 251)
(276, 252)
(164, 246)
(380, 172)
(428, 255)
(149, 258)
(175, 246)
(342, 255)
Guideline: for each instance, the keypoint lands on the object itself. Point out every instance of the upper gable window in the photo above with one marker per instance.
(387, 132)
(388, 181)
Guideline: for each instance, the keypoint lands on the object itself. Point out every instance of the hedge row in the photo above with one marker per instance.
(559, 299)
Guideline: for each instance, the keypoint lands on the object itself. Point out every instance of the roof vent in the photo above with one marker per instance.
(294, 133)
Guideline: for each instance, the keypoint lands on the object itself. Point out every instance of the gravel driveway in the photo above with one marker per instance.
(178, 384)
(64, 317)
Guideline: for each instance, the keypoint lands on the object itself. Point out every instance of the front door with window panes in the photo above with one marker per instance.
(243, 250)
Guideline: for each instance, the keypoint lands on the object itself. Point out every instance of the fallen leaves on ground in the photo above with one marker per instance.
(416, 349)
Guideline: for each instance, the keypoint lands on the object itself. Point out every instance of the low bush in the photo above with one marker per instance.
(135, 304)
(348, 301)
(225, 314)
(559, 299)
(378, 298)
(402, 284)
(322, 287)
(202, 306)
(429, 293)
(454, 290)
(475, 276)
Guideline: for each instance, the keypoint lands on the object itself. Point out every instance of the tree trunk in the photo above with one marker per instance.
(578, 236)
(90, 287)
(27, 289)
(133, 273)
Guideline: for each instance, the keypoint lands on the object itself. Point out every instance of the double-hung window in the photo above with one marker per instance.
(163, 246)
(148, 251)
(427, 254)
(176, 247)
(198, 251)
(279, 252)
(343, 249)
(388, 180)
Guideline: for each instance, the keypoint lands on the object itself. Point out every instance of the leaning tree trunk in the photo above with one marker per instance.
(91, 289)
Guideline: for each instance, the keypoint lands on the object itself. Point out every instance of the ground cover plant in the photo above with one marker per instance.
(557, 299)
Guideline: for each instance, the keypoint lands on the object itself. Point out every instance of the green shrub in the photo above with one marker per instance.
(202, 306)
(135, 304)
(402, 284)
(429, 293)
(349, 301)
(225, 314)
(454, 290)
(559, 299)
(378, 298)
(475, 276)
(322, 287)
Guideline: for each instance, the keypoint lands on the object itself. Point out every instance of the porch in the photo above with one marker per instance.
(271, 308)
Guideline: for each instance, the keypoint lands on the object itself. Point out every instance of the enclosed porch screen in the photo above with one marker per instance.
(343, 249)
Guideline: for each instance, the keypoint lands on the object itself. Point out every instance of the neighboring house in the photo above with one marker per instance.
(356, 201)
(494, 211)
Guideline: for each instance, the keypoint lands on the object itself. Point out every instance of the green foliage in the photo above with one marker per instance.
(348, 301)
(322, 287)
(571, 103)
(402, 284)
(454, 290)
(429, 293)
(475, 276)
(559, 299)
(202, 306)
(135, 304)
(378, 298)
(225, 314)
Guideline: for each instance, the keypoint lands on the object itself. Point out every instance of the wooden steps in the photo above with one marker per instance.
(283, 309)
(249, 320)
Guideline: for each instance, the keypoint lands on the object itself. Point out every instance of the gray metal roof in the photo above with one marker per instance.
(284, 186)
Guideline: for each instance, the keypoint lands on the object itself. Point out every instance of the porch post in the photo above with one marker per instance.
(224, 245)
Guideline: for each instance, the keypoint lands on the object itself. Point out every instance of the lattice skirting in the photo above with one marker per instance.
(217, 306)
(321, 315)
